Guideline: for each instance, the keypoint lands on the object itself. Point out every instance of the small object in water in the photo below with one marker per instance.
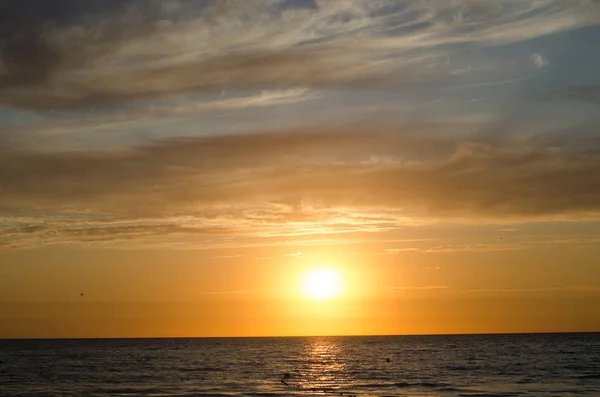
(285, 376)
(81, 295)
(387, 360)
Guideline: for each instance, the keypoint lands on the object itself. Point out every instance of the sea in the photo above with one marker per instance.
(466, 365)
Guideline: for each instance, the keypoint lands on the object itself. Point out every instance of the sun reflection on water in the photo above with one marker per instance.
(325, 367)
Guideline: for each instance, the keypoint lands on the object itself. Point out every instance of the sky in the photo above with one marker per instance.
(188, 165)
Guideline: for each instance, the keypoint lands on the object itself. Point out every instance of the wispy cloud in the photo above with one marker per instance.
(148, 62)
(421, 288)
(129, 50)
(447, 289)
(589, 93)
(488, 84)
(476, 247)
(236, 292)
(189, 106)
(451, 248)
(565, 289)
(392, 251)
(227, 257)
(429, 247)
(538, 60)
(297, 184)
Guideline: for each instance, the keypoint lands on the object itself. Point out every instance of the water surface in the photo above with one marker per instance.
(474, 365)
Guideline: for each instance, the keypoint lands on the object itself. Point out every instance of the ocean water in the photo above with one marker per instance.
(475, 365)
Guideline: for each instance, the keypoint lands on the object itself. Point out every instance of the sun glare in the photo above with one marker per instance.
(322, 284)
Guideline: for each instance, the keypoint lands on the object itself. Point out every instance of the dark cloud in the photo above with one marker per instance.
(28, 15)
(22, 230)
(169, 172)
(501, 179)
(31, 57)
(136, 230)
(39, 54)
(87, 233)
(589, 93)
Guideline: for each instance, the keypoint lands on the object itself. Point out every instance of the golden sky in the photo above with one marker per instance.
(309, 167)
(442, 285)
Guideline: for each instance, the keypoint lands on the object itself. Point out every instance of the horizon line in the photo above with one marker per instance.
(304, 336)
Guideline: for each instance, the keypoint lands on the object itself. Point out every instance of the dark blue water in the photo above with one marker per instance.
(475, 365)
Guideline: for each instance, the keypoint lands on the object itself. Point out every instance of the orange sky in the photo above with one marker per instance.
(258, 291)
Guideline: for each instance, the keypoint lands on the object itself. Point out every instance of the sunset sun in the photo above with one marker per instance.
(322, 284)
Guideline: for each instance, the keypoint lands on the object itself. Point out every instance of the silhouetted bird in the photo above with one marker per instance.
(285, 376)
(387, 359)
(81, 295)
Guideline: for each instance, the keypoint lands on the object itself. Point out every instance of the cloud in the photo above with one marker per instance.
(32, 54)
(85, 232)
(538, 60)
(72, 54)
(289, 165)
(590, 93)
(262, 99)
(489, 84)
(43, 134)
(566, 289)
(297, 184)
(476, 247)
(236, 292)
(422, 288)
(457, 290)
(122, 55)
(430, 246)
(392, 251)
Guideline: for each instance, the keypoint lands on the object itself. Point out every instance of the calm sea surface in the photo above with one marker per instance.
(484, 366)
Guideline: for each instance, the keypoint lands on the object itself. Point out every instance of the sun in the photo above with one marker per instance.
(322, 284)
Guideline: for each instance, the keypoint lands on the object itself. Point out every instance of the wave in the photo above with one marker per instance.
(451, 389)
(405, 385)
(463, 367)
(201, 369)
(576, 367)
(587, 376)
(491, 394)
(127, 391)
(202, 394)
(525, 381)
